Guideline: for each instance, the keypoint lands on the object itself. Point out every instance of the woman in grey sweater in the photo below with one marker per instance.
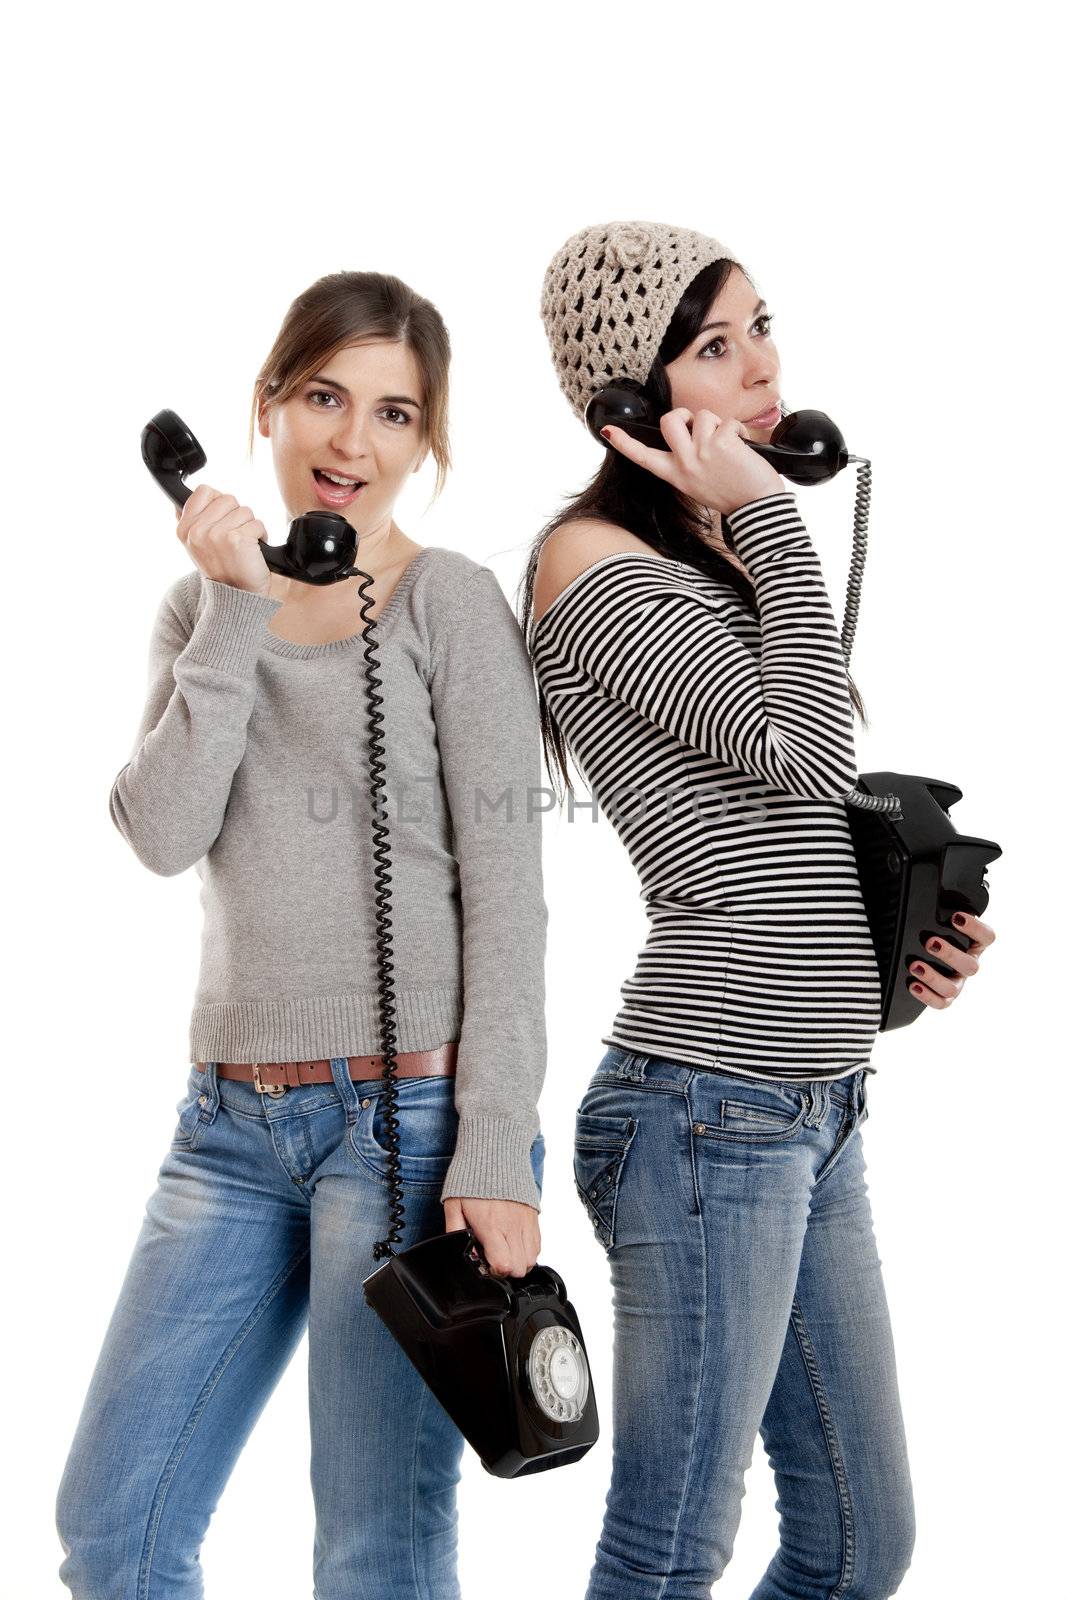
(250, 764)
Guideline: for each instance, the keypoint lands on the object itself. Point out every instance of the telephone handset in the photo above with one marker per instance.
(806, 446)
(914, 869)
(321, 547)
(504, 1357)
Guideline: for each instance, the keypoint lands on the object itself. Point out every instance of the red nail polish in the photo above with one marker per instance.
(916, 988)
(959, 919)
(935, 944)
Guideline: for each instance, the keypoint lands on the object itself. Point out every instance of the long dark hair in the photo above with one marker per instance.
(628, 495)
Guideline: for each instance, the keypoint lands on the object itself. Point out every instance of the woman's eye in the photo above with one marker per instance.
(392, 414)
(763, 322)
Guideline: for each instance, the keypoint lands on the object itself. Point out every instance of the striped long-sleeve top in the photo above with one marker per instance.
(720, 747)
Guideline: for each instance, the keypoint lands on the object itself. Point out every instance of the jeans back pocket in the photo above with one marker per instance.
(601, 1145)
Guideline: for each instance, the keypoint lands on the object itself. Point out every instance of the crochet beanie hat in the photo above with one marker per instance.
(608, 298)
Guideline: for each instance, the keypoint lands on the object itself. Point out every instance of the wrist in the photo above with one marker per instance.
(752, 500)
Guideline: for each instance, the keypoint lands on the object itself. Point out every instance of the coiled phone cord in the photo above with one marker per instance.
(856, 798)
(382, 919)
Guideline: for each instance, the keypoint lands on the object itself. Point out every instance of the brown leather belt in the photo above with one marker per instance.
(274, 1077)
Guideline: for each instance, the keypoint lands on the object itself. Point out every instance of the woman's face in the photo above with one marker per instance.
(360, 417)
(731, 369)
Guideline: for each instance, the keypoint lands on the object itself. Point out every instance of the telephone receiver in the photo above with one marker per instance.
(805, 447)
(321, 547)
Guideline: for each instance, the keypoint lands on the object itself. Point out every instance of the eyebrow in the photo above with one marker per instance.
(709, 325)
(383, 399)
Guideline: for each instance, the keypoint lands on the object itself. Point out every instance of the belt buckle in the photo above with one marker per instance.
(274, 1089)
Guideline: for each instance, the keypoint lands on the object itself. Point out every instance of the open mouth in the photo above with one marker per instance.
(335, 490)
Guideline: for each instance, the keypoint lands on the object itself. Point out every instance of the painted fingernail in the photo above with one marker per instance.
(916, 988)
(959, 919)
(918, 971)
(934, 944)
(606, 432)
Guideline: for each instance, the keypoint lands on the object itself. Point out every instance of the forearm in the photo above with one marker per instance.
(485, 709)
(502, 1047)
(169, 801)
(804, 738)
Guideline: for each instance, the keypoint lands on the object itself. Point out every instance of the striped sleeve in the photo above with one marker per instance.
(651, 640)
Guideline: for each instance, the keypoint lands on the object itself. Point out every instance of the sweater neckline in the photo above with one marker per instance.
(682, 568)
(289, 647)
(576, 582)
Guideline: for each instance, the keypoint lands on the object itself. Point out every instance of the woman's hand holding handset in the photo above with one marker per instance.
(708, 459)
(222, 539)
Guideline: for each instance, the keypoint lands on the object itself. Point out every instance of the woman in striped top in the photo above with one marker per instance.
(687, 656)
(721, 756)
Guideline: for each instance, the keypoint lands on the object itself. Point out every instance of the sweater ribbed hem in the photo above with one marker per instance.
(319, 1027)
(492, 1161)
(229, 632)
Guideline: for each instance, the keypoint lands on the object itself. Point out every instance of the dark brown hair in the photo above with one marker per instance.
(635, 499)
(345, 308)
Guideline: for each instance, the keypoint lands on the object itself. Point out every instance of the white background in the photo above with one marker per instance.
(175, 176)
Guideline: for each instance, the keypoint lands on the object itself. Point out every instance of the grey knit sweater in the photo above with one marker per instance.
(250, 764)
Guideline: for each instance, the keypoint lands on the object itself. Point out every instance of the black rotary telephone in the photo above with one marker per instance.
(914, 869)
(504, 1356)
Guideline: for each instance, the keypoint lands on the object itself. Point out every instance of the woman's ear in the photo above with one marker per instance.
(263, 421)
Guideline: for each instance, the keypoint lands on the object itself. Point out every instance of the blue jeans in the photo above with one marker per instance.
(262, 1224)
(748, 1295)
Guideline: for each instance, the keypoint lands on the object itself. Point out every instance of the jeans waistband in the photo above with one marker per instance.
(636, 1067)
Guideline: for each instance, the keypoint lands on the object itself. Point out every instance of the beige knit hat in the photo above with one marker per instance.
(608, 298)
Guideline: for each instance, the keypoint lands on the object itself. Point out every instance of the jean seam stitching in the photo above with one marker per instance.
(420, 1592)
(698, 1210)
(171, 1465)
(844, 1131)
(616, 1179)
(833, 1449)
(697, 1392)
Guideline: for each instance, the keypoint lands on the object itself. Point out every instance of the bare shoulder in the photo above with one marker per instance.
(573, 546)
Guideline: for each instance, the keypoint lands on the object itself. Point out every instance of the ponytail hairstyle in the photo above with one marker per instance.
(346, 308)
